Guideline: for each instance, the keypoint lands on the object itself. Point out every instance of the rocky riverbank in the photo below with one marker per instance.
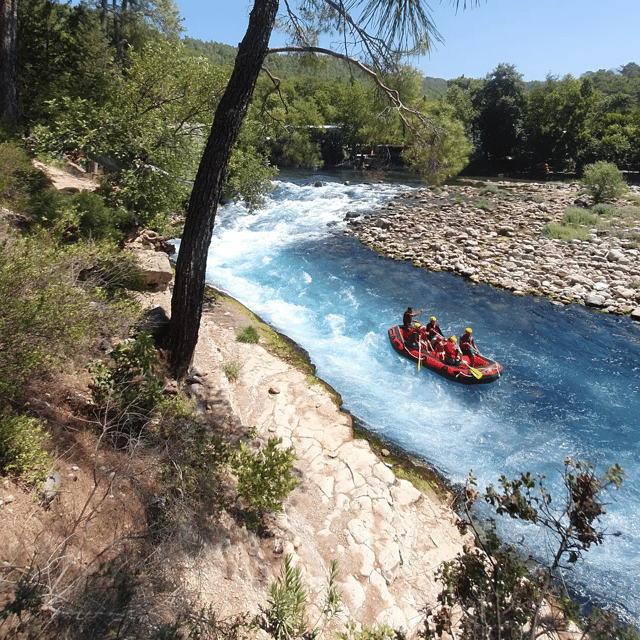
(492, 233)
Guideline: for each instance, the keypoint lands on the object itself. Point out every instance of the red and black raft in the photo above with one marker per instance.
(489, 369)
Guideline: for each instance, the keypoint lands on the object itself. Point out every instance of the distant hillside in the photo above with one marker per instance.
(434, 88)
(623, 82)
(223, 54)
(290, 65)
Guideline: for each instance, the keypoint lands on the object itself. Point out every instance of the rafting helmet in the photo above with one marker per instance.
(433, 318)
(453, 339)
(468, 330)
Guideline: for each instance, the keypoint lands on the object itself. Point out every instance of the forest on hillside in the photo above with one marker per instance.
(136, 98)
(563, 122)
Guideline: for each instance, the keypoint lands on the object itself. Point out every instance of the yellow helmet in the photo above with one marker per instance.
(433, 318)
(468, 330)
(453, 339)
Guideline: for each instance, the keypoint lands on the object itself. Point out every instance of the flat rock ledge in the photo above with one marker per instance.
(494, 235)
(388, 537)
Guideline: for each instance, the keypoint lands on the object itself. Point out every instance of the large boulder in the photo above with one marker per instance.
(156, 269)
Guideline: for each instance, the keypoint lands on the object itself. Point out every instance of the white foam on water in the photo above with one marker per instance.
(556, 399)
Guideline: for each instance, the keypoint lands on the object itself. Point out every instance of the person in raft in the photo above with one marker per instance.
(408, 317)
(468, 346)
(437, 344)
(433, 330)
(452, 354)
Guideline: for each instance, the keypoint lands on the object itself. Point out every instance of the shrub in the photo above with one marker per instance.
(264, 478)
(129, 389)
(483, 204)
(44, 315)
(576, 224)
(379, 632)
(577, 217)
(604, 210)
(604, 181)
(232, 369)
(557, 231)
(488, 590)
(14, 164)
(21, 447)
(248, 334)
(286, 615)
(193, 461)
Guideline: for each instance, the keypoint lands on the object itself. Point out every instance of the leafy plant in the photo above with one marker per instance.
(489, 590)
(248, 334)
(379, 632)
(44, 316)
(483, 204)
(264, 477)
(286, 616)
(604, 181)
(489, 190)
(21, 447)
(578, 217)
(130, 386)
(191, 466)
(232, 369)
(566, 232)
(604, 210)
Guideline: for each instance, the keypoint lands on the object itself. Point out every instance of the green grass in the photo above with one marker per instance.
(232, 369)
(248, 334)
(557, 231)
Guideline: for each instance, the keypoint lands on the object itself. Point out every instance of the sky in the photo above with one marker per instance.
(538, 37)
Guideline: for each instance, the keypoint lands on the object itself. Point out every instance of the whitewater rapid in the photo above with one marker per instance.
(571, 375)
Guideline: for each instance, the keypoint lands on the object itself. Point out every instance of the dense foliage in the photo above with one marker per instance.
(565, 123)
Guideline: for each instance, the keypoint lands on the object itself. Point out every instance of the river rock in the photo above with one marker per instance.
(504, 246)
(595, 300)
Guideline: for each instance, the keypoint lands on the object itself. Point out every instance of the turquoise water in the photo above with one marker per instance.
(571, 375)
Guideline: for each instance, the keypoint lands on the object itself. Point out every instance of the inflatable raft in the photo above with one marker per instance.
(473, 370)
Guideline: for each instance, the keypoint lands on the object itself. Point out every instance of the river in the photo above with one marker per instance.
(571, 378)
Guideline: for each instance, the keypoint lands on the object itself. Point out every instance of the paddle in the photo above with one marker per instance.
(476, 373)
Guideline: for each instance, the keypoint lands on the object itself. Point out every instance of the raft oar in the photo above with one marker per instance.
(476, 373)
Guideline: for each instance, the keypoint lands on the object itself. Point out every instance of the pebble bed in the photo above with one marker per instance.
(492, 233)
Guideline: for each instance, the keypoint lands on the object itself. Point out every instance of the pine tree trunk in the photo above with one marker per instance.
(188, 292)
(9, 59)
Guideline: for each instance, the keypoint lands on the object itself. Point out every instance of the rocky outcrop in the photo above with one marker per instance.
(388, 537)
(496, 237)
(152, 253)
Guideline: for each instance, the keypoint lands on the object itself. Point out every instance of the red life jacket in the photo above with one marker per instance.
(450, 350)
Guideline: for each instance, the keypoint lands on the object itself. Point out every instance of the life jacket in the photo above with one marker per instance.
(466, 343)
(433, 329)
(450, 350)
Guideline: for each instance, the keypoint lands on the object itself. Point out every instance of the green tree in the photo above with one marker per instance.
(62, 52)
(501, 105)
(489, 590)
(390, 32)
(9, 60)
(557, 123)
(146, 128)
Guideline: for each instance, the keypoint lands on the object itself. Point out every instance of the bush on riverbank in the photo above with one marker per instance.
(604, 181)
